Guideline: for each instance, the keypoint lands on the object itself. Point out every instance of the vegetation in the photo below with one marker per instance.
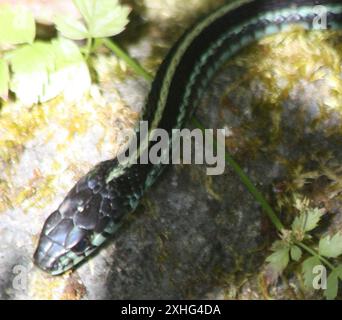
(37, 71)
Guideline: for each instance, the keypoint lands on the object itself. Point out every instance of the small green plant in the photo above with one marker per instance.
(299, 247)
(100, 19)
(37, 71)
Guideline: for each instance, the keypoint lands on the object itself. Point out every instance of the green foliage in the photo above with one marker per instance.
(293, 242)
(101, 18)
(17, 25)
(296, 253)
(279, 259)
(331, 247)
(31, 65)
(71, 28)
(332, 285)
(39, 71)
(307, 220)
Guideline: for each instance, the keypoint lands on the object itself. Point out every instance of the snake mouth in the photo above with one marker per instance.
(56, 259)
(58, 251)
(53, 258)
(56, 269)
(50, 260)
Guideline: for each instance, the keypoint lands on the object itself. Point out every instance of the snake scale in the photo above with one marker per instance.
(94, 208)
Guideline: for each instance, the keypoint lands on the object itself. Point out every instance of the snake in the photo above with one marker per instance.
(94, 209)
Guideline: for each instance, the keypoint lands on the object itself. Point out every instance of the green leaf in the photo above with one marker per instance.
(31, 65)
(44, 70)
(279, 259)
(331, 247)
(71, 75)
(307, 221)
(71, 28)
(4, 79)
(296, 253)
(104, 18)
(86, 8)
(17, 25)
(278, 245)
(332, 286)
(307, 271)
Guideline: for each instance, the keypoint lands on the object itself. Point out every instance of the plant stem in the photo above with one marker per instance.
(244, 178)
(88, 48)
(315, 254)
(248, 183)
(130, 61)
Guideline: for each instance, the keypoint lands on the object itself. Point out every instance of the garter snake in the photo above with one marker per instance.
(93, 209)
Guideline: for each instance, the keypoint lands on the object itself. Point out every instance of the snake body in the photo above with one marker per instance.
(94, 208)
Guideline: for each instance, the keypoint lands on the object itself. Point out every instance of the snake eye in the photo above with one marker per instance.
(74, 237)
(82, 246)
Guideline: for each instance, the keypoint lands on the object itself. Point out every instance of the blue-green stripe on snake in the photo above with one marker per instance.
(94, 208)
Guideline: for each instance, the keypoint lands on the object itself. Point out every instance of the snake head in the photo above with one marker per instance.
(83, 222)
(62, 245)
